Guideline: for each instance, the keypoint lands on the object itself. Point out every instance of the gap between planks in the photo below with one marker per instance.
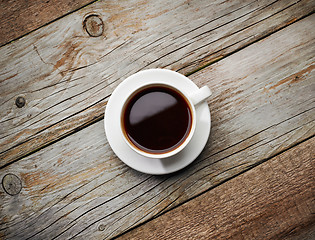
(20, 18)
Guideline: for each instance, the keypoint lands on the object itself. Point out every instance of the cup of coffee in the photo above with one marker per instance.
(157, 118)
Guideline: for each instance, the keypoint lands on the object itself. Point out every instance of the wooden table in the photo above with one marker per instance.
(60, 62)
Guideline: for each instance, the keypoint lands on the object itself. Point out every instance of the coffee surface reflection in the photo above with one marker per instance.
(157, 119)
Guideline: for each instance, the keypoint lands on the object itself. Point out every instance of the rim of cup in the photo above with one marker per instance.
(168, 153)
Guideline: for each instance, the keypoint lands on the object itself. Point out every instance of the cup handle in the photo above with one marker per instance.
(200, 95)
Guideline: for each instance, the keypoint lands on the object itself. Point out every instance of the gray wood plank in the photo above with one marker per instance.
(66, 76)
(262, 104)
(18, 18)
(271, 201)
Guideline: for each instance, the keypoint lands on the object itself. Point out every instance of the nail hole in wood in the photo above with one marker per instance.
(93, 25)
(11, 184)
(20, 102)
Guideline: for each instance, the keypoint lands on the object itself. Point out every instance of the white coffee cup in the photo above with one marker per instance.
(160, 78)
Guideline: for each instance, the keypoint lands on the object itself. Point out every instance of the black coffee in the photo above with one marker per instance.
(157, 119)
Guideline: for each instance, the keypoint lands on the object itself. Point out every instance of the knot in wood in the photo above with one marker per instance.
(93, 25)
(101, 227)
(11, 184)
(20, 102)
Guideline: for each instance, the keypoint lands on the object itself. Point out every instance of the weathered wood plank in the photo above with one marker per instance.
(263, 103)
(18, 18)
(66, 76)
(275, 200)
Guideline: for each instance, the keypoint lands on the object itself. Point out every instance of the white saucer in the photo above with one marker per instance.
(129, 156)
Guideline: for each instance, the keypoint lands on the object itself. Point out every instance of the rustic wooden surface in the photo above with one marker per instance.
(66, 76)
(263, 104)
(21, 17)
(275, 200)
(59, 177)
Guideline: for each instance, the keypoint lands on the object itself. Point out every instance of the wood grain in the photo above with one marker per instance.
(275, 200)
(18, 18)
(262, 104)
(66, 76)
